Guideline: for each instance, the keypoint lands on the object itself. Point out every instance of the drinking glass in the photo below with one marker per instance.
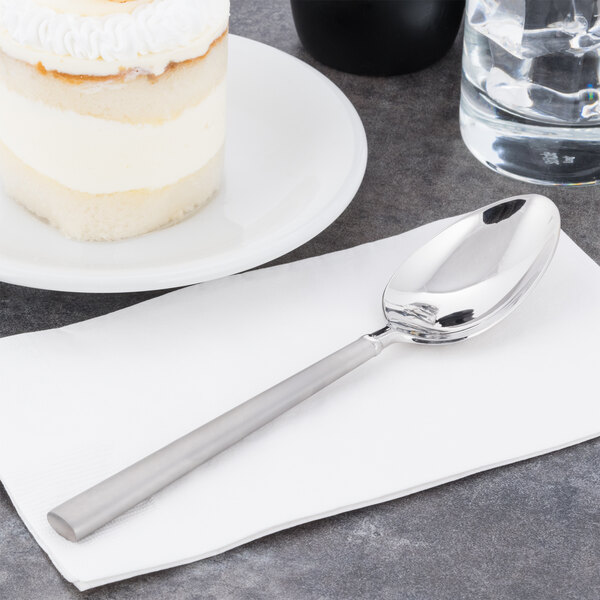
(530, 102)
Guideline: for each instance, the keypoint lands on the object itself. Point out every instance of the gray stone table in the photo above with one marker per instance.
(527, 531)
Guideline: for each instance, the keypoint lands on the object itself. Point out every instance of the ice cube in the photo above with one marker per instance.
(554, 38)
(589, 40)
(507, 91)
(502, 21)
(532, 28)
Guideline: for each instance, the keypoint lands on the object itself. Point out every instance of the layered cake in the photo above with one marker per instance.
(112, 112)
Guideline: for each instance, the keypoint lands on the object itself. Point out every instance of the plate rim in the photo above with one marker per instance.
(147, 278)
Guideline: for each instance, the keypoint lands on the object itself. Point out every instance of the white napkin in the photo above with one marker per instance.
(82, 402)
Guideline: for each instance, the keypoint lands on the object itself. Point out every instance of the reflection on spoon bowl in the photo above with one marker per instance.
(474, 273)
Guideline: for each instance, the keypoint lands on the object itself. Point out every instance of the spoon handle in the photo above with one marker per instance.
(83, 514)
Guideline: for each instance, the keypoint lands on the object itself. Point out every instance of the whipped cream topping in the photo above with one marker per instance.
(87, 8)
(149, 37)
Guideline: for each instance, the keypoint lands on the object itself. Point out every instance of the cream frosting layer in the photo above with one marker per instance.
(85, 41)
(100, 156)
(93, 7)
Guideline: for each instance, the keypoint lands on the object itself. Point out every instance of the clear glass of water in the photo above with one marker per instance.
(530, 104)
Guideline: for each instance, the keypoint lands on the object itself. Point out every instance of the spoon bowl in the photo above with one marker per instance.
(459, 284)
(474, 273)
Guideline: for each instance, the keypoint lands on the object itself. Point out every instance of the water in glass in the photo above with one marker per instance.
(530, 105)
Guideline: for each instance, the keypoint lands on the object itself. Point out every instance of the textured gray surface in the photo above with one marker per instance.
(531, 530)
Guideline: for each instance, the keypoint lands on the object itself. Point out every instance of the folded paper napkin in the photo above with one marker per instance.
(81, 403)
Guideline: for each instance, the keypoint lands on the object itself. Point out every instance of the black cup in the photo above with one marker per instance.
(377, 37)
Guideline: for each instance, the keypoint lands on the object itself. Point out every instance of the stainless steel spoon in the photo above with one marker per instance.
(460, 283)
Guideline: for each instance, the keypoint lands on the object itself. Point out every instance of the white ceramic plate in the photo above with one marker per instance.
(296, 155)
